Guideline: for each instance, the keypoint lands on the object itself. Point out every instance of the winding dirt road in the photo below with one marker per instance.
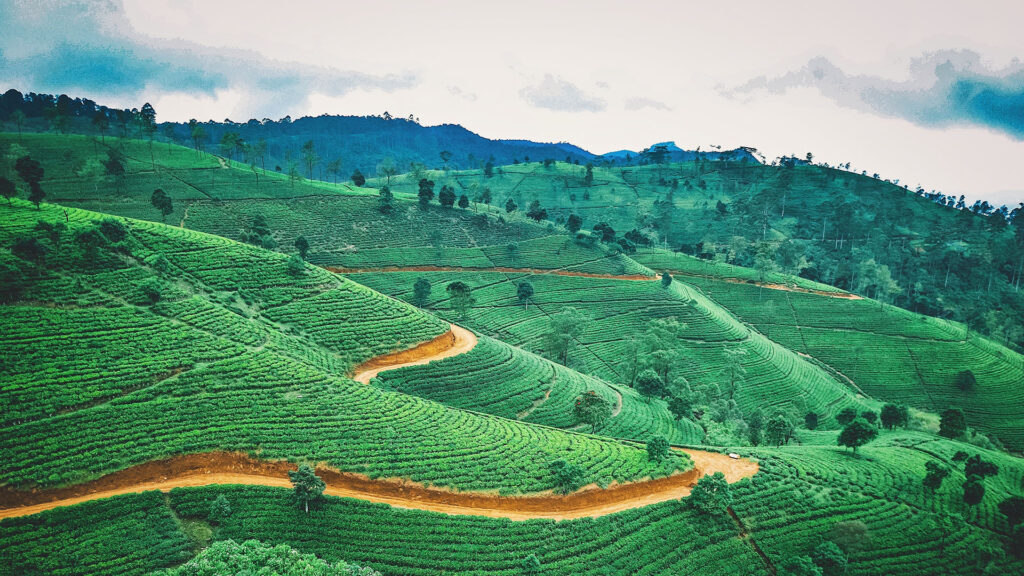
(206, 469)
(455, 341)
(234, 468)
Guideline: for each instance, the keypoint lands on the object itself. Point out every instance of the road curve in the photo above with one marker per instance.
(206, 469)
(457, 340)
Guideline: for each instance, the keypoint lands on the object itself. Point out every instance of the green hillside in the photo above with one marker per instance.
(168, 341)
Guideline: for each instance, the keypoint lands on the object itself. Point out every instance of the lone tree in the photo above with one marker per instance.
(650, 384)
(510, 206)
(536, 213)
(1013, 509)
(711, 494)
(810, 421)
(657, 449)
(965, 380)
(462, 298)
(385, 203)
(8, 189)
(463, 201)
(666, 279)
(302, 245)
(524, 292)
(31, 171)
(563, 329)
(934, 474)
(779, 430)
(309, 488)
(953, 423)
(162, 202)
(894, 415)
(568, 477)
(421, 292)
(530, 565)
(857, 433)
(574, 223)
(220, 509)
(830, 558)
(358, 179)
(974, 490)
(592, 409)
(426, 192)
(447, 196)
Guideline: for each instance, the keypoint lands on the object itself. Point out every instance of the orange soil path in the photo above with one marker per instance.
(455, 341)
(232, 468)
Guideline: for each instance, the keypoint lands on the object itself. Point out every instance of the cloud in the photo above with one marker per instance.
(90, 49)
(560, 95)
(945, 88)
(633, 104)
(459, 92)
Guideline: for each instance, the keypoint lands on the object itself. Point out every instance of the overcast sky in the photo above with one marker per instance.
(930, 92)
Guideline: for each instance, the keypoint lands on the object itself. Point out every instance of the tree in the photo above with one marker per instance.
(870, 416)
(446, 157)
(152, 290)
(650, 384)
(421, 292)
(711, 494)
(461, 298)
(851, 535)
(536, 212)
(310, 158)
(308, 487)
(657, 449)
(974, 490)
(295, 265)
(385, 201)
(604, 232)
(574, 223)
(8, 189)
(846, 415)
(19, 118)
(29, 250)
(952, 423)
(810, 421)
(830, 558)
(965, 380)
(1013, 509)
(1017, 541)
(588, 179)
(680, 407)
(589, 408)
(530, 565)
(101, 123)
(666, 279)
(568, 477)
(90, 241)
(755, 427)
(463, 201)
(894, 415)
(489, 169)
(358, 179)
(778, 430)
(800, 566)
(31, 171)
(975, 466)
(564, 327)
(935, 473)
(220, 509)
(510, 206)
(12, 282)
(857, 433)
(524, 292)
(426, 192)
(447, 196)
(162, 202)
(302, 245)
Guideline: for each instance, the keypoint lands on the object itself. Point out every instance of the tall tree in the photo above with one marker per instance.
(7, 189)
(302, 245)
(447, 196)
(426, 193)
(31, 171)
(590, 408)
(162, 202)
(421, 292)
(308, 487)
(857, 433)
(524, 291)
(952, 423)
(712, 494)
(564, 328)
(461, 298)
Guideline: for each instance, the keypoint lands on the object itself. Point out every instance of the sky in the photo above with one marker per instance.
(930, 93)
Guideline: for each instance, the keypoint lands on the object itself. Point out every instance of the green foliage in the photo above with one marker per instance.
(421, 292)
(531, 565)
(650, 384)
(657, 448)
(810, 421)
(296, 267)
(1013, 509)
(220, 509)
(308, 488)
(302, 245)
(830, 558)
(974, 490)
(592, 409)
(851, 535)
(461, 296)
(799, 565)
(162, 202)
(568, 476)
(845, 416)
(253, 557)
(524, 291)
(894, 415)
(779, 430)
(935, 474)
(712, 494)
(965, 380)
(953, 423)
(666, 279)
(358, 179)
(857, 433)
